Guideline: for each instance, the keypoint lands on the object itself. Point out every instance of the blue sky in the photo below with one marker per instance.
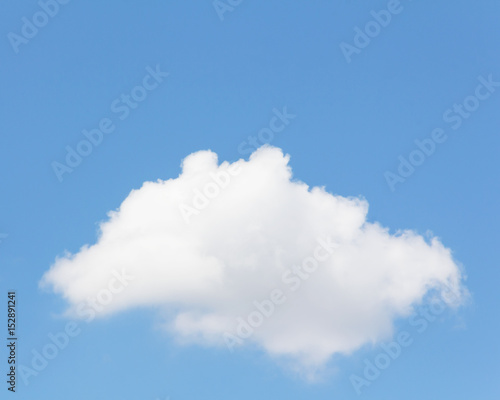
(226, 75)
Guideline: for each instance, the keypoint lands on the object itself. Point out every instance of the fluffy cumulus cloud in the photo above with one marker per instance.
(241, 254)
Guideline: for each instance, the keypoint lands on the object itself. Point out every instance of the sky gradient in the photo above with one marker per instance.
(355, 119)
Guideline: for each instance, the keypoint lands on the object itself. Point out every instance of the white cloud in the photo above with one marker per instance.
(237, 248)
